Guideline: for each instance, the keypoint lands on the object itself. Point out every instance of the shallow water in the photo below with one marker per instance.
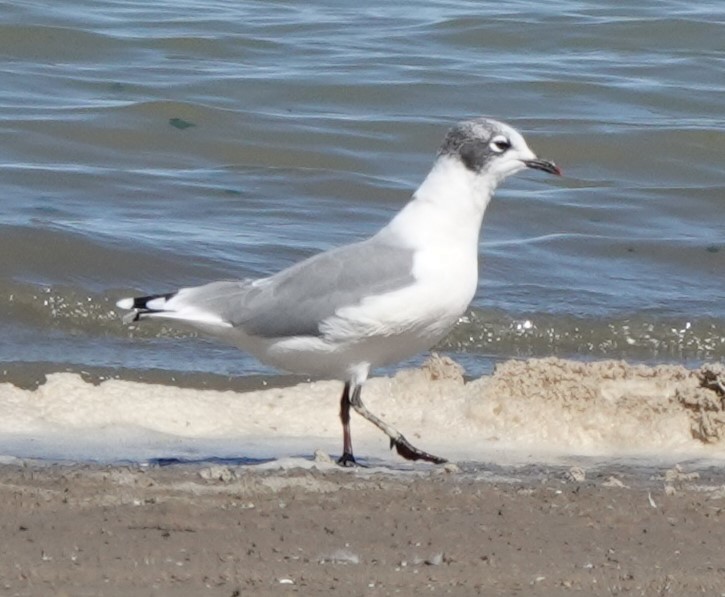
(149, 146)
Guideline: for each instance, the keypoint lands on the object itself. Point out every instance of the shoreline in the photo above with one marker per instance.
(536, 410)
(587, 525)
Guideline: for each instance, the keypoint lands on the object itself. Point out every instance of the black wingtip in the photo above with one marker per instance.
(140, 303)
(138, 306)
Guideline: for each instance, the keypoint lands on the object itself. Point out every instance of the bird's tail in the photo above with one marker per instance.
(142, 307)
(200, 306)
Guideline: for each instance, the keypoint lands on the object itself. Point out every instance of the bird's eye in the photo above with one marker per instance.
(500, 144)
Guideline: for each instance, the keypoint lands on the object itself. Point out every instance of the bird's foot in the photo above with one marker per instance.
(347, 459)
(410, 452)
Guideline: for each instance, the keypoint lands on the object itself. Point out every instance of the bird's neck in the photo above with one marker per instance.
(448, 205)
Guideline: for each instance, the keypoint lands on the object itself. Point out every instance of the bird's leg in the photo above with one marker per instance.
(402, 445)
(347, 459)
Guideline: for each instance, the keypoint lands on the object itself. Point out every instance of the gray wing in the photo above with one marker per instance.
(295, 301)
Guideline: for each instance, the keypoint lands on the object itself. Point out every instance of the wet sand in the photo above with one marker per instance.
(600, 525)
(190, 530)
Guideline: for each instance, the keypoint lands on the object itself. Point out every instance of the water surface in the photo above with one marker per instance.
(147, 146)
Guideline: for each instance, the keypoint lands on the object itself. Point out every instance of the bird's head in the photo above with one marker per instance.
(492, 149)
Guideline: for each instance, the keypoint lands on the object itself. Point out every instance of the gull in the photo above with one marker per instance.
(342, 313)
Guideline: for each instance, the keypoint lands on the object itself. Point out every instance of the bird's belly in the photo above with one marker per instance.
(336, 360)
(378, 334)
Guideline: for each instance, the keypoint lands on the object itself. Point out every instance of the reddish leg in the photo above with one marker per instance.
(347, 459)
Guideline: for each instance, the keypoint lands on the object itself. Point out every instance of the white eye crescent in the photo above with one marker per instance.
(499, 144)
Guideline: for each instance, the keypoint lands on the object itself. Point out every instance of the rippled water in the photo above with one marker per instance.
(145, 146)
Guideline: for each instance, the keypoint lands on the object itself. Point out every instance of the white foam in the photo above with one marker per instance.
(532, 410)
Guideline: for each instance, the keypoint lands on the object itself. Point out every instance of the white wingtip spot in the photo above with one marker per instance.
(126, 303)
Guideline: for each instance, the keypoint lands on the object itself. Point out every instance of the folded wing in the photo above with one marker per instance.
(293, 302)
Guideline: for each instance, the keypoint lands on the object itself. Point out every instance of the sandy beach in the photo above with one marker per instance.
(216, 530)
(531, 410)
(646, 520)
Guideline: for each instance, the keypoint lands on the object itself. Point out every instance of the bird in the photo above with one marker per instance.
(342, 313)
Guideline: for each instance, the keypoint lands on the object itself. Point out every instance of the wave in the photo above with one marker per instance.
(641, 336)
